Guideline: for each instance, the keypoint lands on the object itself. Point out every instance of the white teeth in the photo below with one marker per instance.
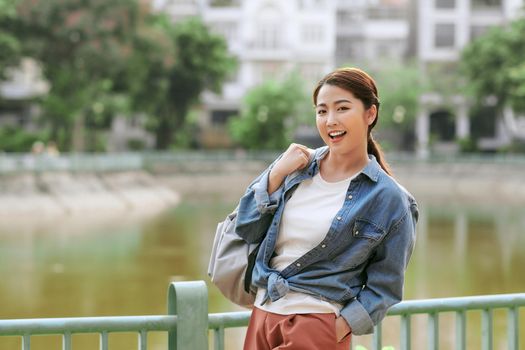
(336, 133)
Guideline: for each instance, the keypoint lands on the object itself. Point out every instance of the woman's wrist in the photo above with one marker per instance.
(275, 180)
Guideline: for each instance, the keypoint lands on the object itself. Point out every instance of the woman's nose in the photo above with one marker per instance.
(331, 119)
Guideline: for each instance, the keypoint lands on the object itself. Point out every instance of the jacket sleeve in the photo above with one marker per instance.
(256, 208)
(385, 277)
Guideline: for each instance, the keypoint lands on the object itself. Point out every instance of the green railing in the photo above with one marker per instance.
(188, 322)
(103, 162)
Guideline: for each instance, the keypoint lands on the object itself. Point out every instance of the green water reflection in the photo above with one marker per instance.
(120, 266)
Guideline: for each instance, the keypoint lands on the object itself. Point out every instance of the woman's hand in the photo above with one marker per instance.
(294, 158)
(342, 329)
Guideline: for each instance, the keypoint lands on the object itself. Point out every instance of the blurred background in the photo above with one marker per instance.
(129, 128)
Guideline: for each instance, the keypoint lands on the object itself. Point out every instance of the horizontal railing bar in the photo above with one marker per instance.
(235, 319)
(87, 325)
(457, 304)
(424, 306)
(228, 319)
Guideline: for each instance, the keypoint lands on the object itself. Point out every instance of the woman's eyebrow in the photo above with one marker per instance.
(336, 102)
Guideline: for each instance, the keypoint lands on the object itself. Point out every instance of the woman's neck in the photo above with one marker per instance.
(337, 167)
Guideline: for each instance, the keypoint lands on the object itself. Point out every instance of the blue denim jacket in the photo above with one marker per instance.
(362, 260)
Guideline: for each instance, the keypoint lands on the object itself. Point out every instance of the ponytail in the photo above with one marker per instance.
(374, 149)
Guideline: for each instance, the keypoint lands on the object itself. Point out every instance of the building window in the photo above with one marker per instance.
(445, 4)
(485, 119)
(312, 34)
(268, 37)
(220, 117)
(442, 125)
(348, 17)
(349, 49)
(225, 29)
(481, 4)
(444, 35)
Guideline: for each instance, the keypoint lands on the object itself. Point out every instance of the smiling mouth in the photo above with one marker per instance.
(336, 134)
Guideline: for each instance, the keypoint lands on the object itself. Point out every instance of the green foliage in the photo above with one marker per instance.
(15, 139)
(467, 145)
(108, 57)
(82, 48)
(10, 46)
(494, 65)
(269, 115)
(170, 68)
(400, 87)
(202, 62)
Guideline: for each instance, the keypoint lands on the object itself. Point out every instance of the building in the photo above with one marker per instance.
(23, 84)
(270, 38)
(370, 32)
(444, 28)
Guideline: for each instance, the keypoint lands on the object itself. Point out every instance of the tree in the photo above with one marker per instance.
(9, 43)
(82, 47)
(269, 115)
(202, 62)
(400, 87)
(494, 65)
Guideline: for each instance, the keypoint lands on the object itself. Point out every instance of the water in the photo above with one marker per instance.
(82, 266)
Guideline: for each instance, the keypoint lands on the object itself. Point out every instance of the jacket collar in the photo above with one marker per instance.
(371, 170)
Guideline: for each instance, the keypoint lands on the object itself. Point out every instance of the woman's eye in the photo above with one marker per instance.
(343, 108)
(321, 112)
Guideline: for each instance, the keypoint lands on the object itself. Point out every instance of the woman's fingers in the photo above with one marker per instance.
(294, 158)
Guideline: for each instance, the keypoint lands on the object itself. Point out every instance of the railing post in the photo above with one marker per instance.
(189, 301)
(513, 328)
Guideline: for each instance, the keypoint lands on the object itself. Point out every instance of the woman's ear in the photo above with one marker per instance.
(371, 114)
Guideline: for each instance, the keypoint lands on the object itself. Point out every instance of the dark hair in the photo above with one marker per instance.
(363, 87)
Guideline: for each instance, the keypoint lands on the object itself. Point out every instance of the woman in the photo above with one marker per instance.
(337, 230)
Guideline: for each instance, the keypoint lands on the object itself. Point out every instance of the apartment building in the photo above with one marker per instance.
(270, 38)
(371, 32)
(22, 84)
(444, 28)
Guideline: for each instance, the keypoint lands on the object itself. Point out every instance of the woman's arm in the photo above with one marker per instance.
(385, 277)
(261, 199)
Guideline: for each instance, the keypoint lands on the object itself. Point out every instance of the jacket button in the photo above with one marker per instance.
(298, 265)
(338, 218)
(356, 233)
(350, 196)
(323, 246)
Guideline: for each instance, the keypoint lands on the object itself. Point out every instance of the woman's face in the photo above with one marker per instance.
(342, 120)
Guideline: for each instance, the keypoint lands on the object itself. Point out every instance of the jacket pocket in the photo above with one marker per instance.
(361, 240)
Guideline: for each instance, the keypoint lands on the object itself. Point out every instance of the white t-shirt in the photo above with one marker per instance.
(306, 220)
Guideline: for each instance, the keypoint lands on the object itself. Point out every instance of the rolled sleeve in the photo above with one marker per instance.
(256, 208)
(266, 203)
(358, 318)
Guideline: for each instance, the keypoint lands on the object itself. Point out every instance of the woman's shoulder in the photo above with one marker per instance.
(394, 189)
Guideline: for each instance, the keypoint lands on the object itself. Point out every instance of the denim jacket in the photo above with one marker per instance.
(361, 262)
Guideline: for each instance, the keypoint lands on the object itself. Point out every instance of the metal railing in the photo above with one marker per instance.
(104, 162)
(188, 322)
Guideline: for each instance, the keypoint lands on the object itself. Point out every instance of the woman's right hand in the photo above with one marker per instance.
(294, 158)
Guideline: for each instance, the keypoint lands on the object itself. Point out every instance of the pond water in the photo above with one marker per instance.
(122, 266)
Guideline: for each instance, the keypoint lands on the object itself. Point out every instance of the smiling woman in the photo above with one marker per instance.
(348, 98)
(336, 230)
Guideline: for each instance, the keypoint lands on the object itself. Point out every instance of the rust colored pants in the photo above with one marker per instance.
(268, 331)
